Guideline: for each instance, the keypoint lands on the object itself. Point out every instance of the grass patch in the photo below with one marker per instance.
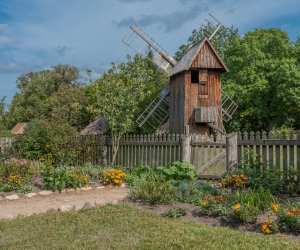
(124, 227)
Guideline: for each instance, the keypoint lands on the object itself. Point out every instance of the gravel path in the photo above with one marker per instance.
(65, 201)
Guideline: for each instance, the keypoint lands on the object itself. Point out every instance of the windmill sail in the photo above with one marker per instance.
(156, 114)
(143, 44)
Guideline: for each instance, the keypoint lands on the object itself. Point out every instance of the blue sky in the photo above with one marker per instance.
(35, 34)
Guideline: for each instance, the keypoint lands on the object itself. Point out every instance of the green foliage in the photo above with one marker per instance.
(119, 94)
(152, 188)
(92, 171)
(14, 174)
(178, 171)
(192, 191)
(245, 213)
(37, 91)
(220, 42)
(289, 220)
(264, 80)
(43, 138)
(213, 206)
(175, 213)
(62, 176)
(260, 198)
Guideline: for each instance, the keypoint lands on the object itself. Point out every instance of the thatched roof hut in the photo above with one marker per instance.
(97, 127)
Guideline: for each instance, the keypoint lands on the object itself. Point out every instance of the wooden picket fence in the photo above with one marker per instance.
(278, 151)
(5, 143)
(274, 151)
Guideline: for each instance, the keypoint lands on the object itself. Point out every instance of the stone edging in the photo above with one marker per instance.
(49, 192)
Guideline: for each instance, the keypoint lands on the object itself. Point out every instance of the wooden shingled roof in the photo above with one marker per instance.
(19, 128)
(187, 61)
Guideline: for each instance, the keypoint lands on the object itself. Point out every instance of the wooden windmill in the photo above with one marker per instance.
(192, 100)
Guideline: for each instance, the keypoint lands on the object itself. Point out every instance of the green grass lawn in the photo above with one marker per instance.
(123, 227)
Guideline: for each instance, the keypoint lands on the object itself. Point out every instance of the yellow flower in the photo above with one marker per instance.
(203, 204)
(289, 213)
(237, 206)
(275, 207)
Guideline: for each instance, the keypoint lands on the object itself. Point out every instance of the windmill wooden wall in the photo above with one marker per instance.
(186, 96)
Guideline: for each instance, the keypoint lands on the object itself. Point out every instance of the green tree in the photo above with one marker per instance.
(3, 118)
(31, 102)
(264, 80)
(221, 40)
(118, 96)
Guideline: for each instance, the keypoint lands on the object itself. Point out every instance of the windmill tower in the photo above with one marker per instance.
(192, 99)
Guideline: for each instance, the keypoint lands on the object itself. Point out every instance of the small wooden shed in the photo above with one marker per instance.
(195, 91)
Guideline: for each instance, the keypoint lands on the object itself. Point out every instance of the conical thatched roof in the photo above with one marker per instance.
(163, 129)
(97, 127)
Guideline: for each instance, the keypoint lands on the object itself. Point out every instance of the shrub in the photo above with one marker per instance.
(92, 171)
(137, 171)
(213, 206)
(244, 213)
(14, 173)
(175, 213)
(58, 178)
(269, 227)
(259, 198)
(114, 177)
(152, 188)
(289, 219)
(178, 171)
(193, 191)
(234, 180)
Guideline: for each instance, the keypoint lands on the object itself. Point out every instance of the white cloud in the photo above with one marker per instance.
(38, 33)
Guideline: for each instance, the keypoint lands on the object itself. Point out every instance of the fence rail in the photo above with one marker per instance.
(273, 150)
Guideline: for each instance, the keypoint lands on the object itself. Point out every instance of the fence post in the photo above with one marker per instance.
(103, 149)
(186, 148)
(231, 151)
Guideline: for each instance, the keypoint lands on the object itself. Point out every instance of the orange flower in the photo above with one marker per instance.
(221, 199)
(275, 207)
(237, 206)
(289, 213)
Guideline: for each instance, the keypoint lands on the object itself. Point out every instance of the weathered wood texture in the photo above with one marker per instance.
(206, 59)
(281, 152)
(5, 143)
(186, 96)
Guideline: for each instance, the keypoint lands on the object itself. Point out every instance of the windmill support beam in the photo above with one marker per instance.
(153, 44)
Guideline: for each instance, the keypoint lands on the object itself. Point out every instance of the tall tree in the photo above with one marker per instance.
(118, 96)
(36, 87)
(220, 41)
(264, 79)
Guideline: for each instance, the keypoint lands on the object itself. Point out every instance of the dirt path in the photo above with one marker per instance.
(42, 204)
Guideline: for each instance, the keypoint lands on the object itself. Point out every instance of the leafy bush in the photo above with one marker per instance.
(269, 227)
(244, 213)
(14, 174)
(289, 219)
(114, 177)
(152, 188)
(192, 191)
(137, 171)
(213, 206)
(175, 213)
(178, 171)
(92, 171)
(63, 176)
(258, 198)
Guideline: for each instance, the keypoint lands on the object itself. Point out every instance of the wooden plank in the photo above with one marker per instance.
(270, 142)
(284, 161)
(211, 162)
(271, 157)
